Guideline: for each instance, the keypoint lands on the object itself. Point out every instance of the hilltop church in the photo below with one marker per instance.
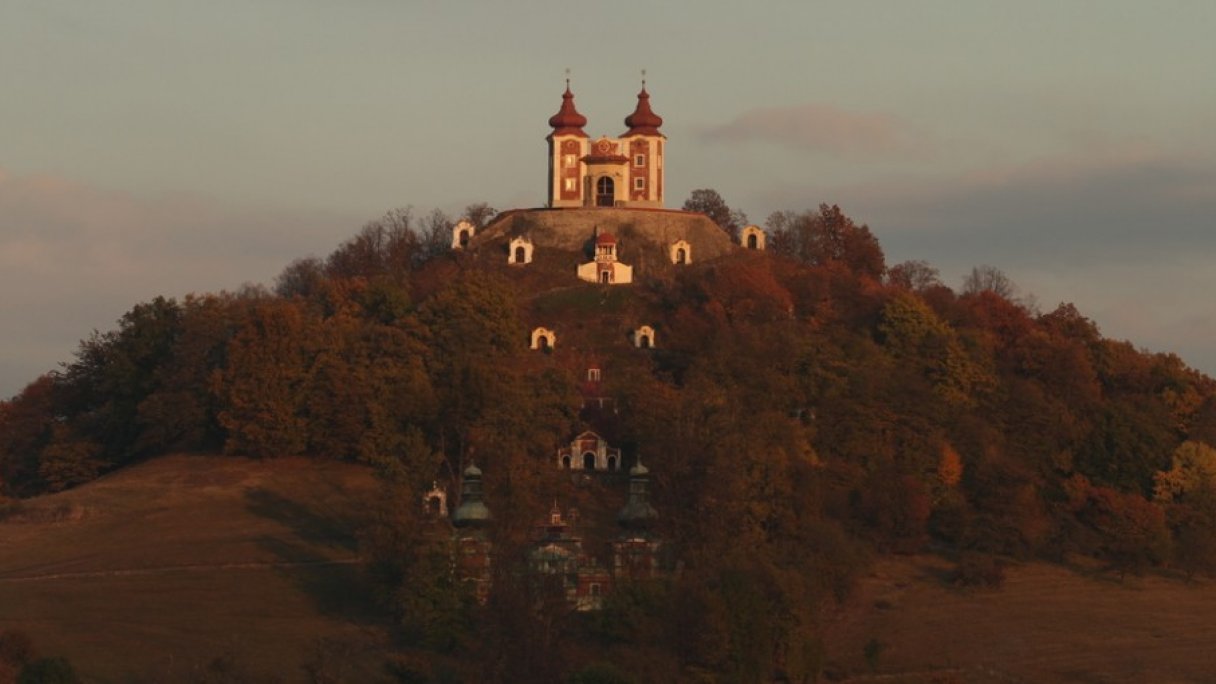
(603, 195)
(599, 193)
(606, 172)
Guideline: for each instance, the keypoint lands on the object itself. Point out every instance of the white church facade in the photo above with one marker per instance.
(606, 172)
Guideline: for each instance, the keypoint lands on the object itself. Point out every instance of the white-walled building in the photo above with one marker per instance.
(606, 172)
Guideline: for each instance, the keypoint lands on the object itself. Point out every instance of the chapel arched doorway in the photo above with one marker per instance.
(605, 192)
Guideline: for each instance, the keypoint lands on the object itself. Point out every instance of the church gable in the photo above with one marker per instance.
(589, 452)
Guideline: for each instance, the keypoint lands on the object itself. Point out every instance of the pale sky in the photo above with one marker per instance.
(161, 147)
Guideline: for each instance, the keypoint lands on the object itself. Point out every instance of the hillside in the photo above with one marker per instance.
(154, 572)
(1047, 624)
(803, 413)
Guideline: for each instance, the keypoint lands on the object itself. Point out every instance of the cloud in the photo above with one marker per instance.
(75, 257)
(818, 128)
(1123, 205)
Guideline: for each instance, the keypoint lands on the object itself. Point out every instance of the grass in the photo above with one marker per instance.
(165, 567)
(1047, 624)
(161, 571)
(584, 298)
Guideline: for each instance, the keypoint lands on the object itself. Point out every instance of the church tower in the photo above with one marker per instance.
(606, 172)
(568, 144)
(645, 147)
(636, 552)
(472, 544)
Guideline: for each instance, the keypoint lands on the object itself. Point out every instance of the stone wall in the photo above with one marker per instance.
(573, 230)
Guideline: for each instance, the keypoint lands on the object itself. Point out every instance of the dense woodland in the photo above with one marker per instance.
(807, 407)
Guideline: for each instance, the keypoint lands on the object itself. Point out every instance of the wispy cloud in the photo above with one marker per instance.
(74, 257)
(816, 127)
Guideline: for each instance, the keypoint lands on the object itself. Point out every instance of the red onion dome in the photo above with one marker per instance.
(567, 120)
(643, 120)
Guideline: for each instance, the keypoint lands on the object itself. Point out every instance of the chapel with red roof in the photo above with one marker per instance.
(606, 172)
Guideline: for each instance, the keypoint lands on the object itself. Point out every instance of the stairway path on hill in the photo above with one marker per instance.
(163, 569)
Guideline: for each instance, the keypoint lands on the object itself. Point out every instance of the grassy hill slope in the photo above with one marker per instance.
(1047, 624)
(154, 572)
(157, 570)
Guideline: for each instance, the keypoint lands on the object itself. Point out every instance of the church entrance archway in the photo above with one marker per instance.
(605, 276)
(588, 461)
(644, 342)
(605, 192)
(464, 238)
(566, 462)
(519, 255)
(751, 242)
(612, 463)
(681, 256)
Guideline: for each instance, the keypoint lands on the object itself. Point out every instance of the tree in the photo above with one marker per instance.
(26, 423)
(827, 236)
(301, 278)
(1193, 469)
(988, 279)
(1131, 532)
(264, 387)
(387, 246)
(710, 203)
(114, 373)
(479, 214)
(914, 333)
(913, 275)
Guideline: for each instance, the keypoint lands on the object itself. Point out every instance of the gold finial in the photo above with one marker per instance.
(567, 78)
(643, 79)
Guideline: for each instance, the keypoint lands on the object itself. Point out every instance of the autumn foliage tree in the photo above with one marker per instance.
(805, 408)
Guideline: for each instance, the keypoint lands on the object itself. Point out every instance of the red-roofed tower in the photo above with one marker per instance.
(568, 144)
(645, 145)
(606, 172)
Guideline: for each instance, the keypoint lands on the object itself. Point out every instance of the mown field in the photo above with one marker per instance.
(222, 569)
(1046, 624)
(189, 567)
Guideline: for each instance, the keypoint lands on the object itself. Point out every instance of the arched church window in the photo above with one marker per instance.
(751, 242)
(588, 461)
(605, 192)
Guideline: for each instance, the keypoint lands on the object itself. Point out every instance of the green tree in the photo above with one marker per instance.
(114, 373)
(914, 333)
(707, 201)
(263, 388)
